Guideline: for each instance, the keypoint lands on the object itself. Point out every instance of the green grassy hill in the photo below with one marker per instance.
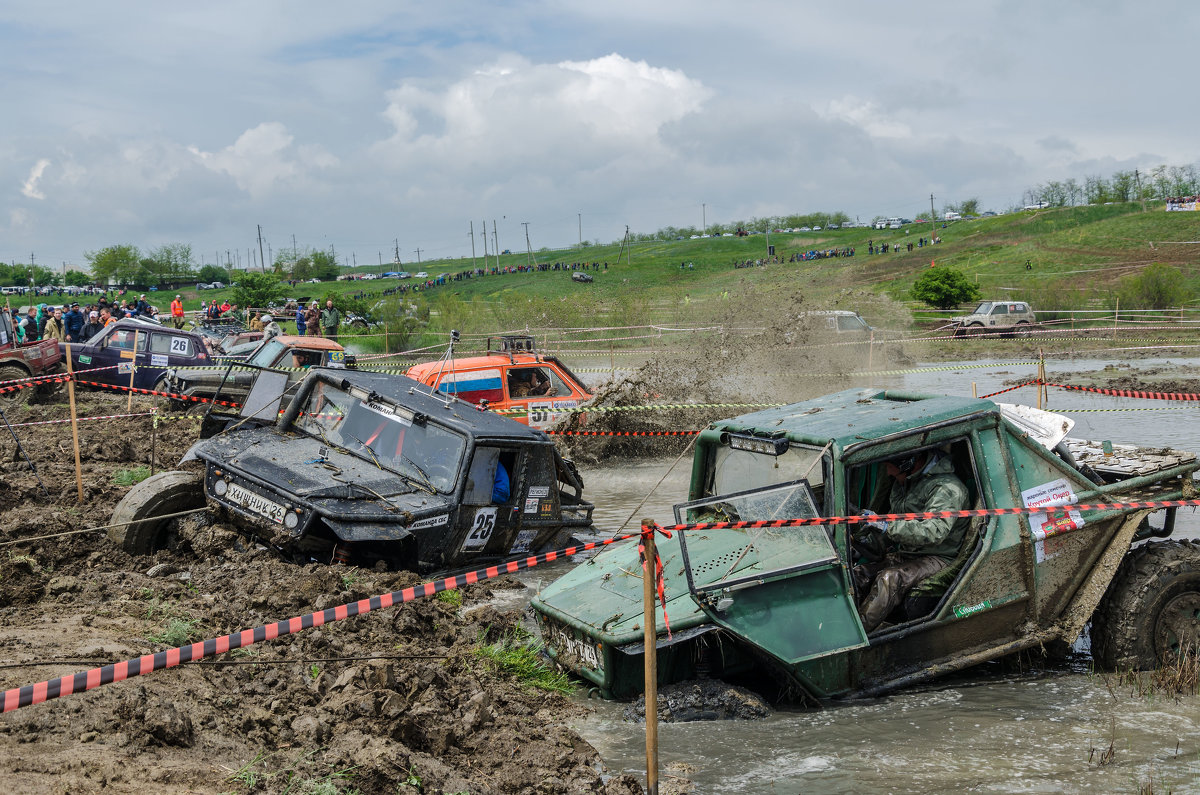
(1074, 257)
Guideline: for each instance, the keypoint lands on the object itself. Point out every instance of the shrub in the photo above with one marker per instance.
(944, 288)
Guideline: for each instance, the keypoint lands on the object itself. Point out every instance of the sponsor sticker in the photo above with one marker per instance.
(124, 368)
(539, 491)
(962, 611)
(524, 542)
(432, 521)
(85, 359)
(531, 505)
(1042, 525)
(158, 360)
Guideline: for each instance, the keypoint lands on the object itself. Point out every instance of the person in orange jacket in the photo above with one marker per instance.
(177, 312)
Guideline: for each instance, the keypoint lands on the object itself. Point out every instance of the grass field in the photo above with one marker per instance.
(1066, 257)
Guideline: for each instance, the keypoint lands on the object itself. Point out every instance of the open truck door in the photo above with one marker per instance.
(784, 590)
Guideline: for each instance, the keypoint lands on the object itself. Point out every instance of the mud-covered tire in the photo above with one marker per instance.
(138, 529)
(12, 397)
(1151, 611)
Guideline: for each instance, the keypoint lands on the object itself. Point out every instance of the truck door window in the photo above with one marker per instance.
(482, 480)
(1000, 309)
(123, 339)
(172, 344)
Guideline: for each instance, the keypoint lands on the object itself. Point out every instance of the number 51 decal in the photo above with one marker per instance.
(481, 529)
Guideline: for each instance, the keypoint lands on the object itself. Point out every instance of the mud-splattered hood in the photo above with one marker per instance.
(317, 473)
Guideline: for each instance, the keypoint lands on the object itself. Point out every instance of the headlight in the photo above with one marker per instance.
(290, 520)
(220, 487)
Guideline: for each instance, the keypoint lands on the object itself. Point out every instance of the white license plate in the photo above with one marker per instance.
(572, 649)
(255, 503)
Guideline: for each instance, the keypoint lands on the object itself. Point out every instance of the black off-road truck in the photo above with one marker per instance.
(367, 467)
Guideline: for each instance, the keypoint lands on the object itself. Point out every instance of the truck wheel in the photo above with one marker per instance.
(358, 324)
(11, 397)
(1151, 612)
(140, 530)
(976, 330)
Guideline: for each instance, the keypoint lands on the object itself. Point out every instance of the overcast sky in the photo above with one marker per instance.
(355, 124)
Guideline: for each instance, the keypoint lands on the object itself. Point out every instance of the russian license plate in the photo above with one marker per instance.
(255, 503)
(572, 651)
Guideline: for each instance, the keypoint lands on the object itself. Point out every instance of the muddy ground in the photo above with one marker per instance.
(394, 701)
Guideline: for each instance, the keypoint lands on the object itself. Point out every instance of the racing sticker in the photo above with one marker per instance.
(539, 491)
(543, 413)
(531, 504)
(481, 531)
(1043, 526)
(524, 542)
(124, 368)
(85, 359)
(179, 346)
(337, 359)
(432, 521)
(158, 360)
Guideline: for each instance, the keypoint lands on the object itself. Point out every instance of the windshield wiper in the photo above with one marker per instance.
(428, 484)
(367, 447)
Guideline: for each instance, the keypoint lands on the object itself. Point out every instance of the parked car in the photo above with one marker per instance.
(580, 276)
(515, 381)
(40, 357)
(150, 347)
(421, 275)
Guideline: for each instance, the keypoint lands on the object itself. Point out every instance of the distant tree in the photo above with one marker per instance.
(256, 289)
(212, 273)
(944, 288)
(118, 264)
(77, 278)
(170, 263)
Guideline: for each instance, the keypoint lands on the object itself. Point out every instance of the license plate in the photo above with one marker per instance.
(255, 503)
(572, 651)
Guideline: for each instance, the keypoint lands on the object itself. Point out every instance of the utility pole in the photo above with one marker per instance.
(496, 242)
(581, 230)
(261, 260)
(528, 247)
(472, 245)
(396, 241)
(932, 220)
(1137, 177)
(703, 219)
(418, 255)
(484, 243)
(295, 256)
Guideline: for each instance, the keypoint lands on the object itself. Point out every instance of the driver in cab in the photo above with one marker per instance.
(923, 482)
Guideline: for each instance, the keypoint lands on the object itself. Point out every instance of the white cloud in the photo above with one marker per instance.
(263, 158)
(30, 188)
(514, 114)
(868, 116)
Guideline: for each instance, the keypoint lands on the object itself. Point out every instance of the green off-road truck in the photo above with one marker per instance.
(782, 601)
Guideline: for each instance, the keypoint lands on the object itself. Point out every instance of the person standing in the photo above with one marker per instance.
(301, 322)
(73, 323)
(92, 327)
(177, 312)
(331, 318)
(54, 329)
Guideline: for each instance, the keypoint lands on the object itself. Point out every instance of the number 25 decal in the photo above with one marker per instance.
(481, 529)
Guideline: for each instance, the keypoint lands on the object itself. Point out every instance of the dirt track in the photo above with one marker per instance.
(394, 701)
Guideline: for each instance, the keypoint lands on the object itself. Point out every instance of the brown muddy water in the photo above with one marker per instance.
(1003, 727)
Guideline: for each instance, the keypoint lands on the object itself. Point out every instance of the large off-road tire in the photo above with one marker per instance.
(13, 397)
(157, 496)
(1151, 612)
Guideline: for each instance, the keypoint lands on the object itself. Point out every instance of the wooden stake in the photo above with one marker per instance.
(974, 393)
(650, 638)
(74, 423)
(385, 337)
(132, 373)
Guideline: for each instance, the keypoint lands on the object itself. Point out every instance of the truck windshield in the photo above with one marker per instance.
(267, 354)
(733, 470)
(427, 453)
(983, 308)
